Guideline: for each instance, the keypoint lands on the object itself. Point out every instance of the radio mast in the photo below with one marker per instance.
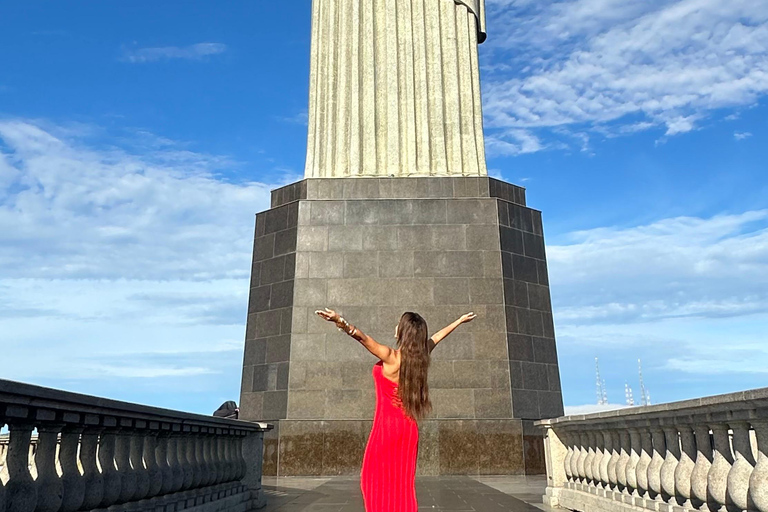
(645, 397)
(602, 394)
(628, 394)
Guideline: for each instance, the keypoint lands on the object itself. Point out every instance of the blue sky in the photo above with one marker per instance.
(137, 140)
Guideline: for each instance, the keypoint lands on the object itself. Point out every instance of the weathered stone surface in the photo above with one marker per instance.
(373, 249)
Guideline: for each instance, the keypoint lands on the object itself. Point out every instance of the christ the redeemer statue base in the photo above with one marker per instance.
(373, 248)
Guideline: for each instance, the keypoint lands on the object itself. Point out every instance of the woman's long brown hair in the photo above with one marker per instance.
(413, 342)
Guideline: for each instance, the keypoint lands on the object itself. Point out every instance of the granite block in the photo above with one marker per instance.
(431, 238)
(553, 374)
(358, 264)
(472, 374)
(326, 213)
(486, 291)
(520, 347)
(282, 376)
(273, 270)
(492, 403)
(544, 350)
(349, 404)
(535, 462)
(260, 378)
(361, 212)
(379, 238)
(307, 404)
(538, 297)
(308, 347)
(499, 372)
(529, 322)
(275, 405)
(252, 405)
(326, 265)
(458, 346)
(314, 375)
(499, 448)
(458, 448)
(525, 269)
(281, 295)
(473, 211)
(345, 238)
(534, 246)
(279, 348)
(441, 375)
(312, 238)
(535, 376)
(264, 247)
(259, 300)
(286, 320)
(538, 225)
(490, 345)
(452, 403)
(448, 264)
(550, 404)
(246, 381)
(310, 292)
(511, 240)
(343, 447)
(301, 448)
(268, 323)
(503, 213)
(451, 291)
(395, 264)
(277, 220)
(285, 241)
(525, 403)
(255, 352)
(542, 273)
(492, 264)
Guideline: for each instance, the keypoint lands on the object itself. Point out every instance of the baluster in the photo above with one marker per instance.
(226, 462)
(195, 454)
(71, 478)
(605, 444)
(109, 471)
(590, 458)
(722, 461)
(221, 464)
(241, 456)
(621, 466)
(684, 470)
(128, 475)
(208, 457)
(583, 452)
(93, 481)
(646, 450)
(231, 456)
(576, 441)
(599, 454)
(634, 459)
(149, 454)
(613, 462)
(568, 442)
(187, 458)
(699, 477)
(3, 464)
(672, 458)
(164, 458)
(137, 461)
(20, 491)
(758, 482)
(743, 465)
(657, 461)
(175, 451)
(50, 489)
(202, 467)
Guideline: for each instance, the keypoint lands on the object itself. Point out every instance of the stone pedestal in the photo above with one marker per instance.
(372, 248)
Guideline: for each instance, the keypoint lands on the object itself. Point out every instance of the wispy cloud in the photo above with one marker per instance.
(579, 65)
(129, 259)
(193, 52)
(741, 135)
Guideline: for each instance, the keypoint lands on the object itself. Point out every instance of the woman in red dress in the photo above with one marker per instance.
(388, 476)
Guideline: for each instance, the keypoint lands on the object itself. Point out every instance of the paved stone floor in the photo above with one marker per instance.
(454, 494)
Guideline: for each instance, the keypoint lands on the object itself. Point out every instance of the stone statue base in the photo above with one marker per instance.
(373, 248)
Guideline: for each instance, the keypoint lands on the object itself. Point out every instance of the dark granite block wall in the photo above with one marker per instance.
(373, 248)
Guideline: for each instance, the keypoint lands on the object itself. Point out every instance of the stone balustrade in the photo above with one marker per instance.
(94, 454)
(707, 454)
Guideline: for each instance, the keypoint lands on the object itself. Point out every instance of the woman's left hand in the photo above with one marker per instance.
(328, 314)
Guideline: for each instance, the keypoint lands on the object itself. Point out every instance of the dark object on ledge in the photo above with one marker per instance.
(227, 410)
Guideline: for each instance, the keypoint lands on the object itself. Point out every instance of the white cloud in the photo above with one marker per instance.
(193, 52)
(122, 262)
(741, 135)
(604, 64)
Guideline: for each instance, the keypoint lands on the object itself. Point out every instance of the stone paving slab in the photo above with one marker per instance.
(449, 494)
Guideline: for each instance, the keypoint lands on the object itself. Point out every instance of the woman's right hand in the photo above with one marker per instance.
(467, 318)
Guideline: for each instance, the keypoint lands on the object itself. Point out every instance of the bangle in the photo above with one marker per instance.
(344, 326)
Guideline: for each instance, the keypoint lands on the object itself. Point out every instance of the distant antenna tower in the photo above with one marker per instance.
(645, 397)
(628, 393)
(602, 394)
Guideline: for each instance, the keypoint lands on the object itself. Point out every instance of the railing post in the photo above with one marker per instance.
(699, 477)
(252, 452)
(612, 463)
(556, 453)
(743, 465)
(149, 454)
(621, 466)
(717, 479)
(164, 458)
(128, 478)
(50, 489)
(20, 491)
(684, 471)
(657, 461)
(634, 458)
(758, 482)
(107, 457)
(672, 442)
(74, 485)
(176, 457)
(646, 451)
(93, 480)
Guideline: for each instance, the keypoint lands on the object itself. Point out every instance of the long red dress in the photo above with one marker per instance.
(388, 477)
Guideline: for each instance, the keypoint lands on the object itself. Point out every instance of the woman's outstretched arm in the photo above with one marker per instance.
(383, 352)
(445, 331)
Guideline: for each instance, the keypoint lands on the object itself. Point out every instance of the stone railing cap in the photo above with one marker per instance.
(21, 394)
(732, 402)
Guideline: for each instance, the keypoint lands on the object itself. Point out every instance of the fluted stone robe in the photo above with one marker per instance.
(395, 88)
